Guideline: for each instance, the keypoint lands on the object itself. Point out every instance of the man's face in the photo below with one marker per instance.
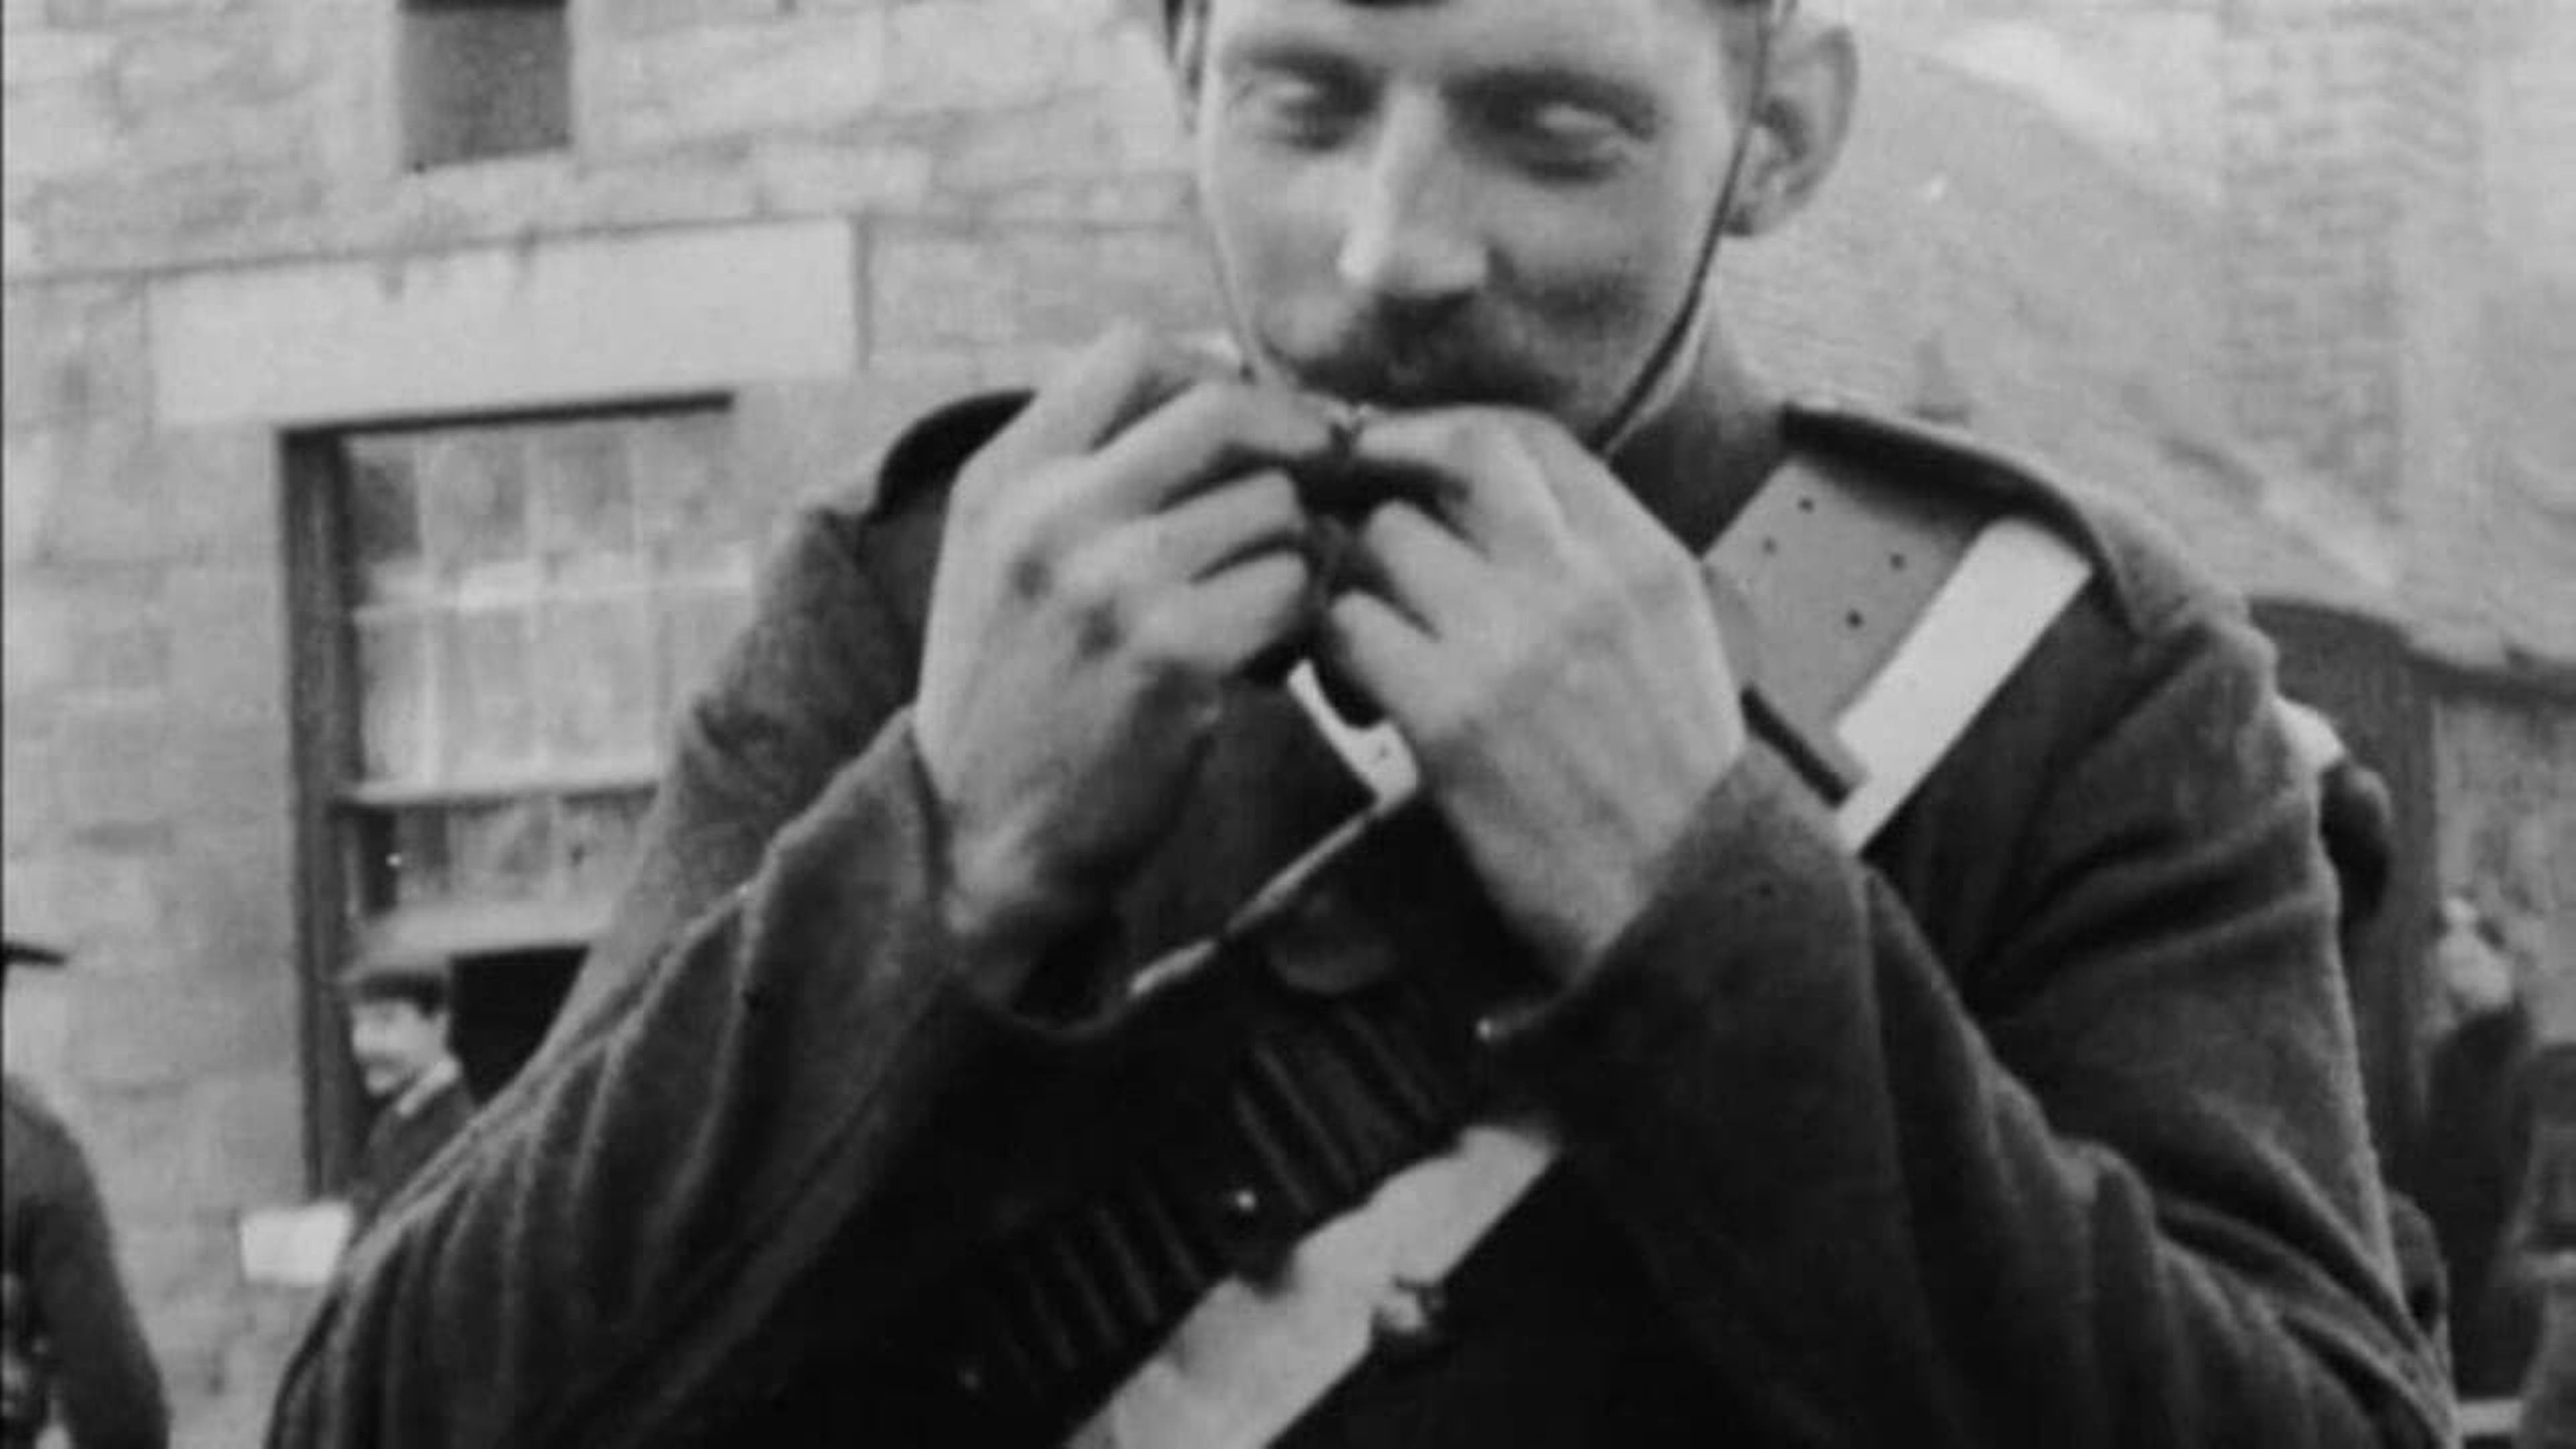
(1462, 200)
(394, 1041)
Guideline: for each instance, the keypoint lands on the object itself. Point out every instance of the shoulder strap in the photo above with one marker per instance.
(1873, 623)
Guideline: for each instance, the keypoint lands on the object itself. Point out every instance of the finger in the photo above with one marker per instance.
(1220, 624)
(1219, 528)
(1484, 479)
(1592, 499)
(1122, 375)
(1212, 431)
(1406, 558)
(1392, 661)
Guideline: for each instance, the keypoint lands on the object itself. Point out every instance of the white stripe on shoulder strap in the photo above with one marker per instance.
(2012, 583)
(1250, 1360)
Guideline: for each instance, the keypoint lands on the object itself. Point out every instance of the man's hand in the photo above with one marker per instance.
(1111, 560)
(1550, 652)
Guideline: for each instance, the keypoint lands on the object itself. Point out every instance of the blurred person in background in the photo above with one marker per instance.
(72, 1350)
(2470, 1154)
(2357, 823)
(398, 1021)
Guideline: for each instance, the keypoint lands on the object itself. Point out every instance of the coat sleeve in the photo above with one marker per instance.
(2125, 1197)
(773, 1021)
(104, 1379)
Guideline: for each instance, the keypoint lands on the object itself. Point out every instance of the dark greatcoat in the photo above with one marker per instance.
(96, 1367)
(402, 1140)
(2040, 1126)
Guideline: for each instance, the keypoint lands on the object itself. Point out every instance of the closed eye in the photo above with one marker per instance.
(1297, 97)
(1561, 138)
(1562, 125)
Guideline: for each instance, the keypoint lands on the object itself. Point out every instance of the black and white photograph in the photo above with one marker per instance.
(1349, 724)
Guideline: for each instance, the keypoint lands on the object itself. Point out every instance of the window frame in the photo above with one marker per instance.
(331, 792)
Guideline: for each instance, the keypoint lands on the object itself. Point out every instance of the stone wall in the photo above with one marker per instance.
(175, 169)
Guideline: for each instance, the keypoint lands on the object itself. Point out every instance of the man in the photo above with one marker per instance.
(2476, 1140)
(398, 1037)
(72, 1344)
(2043, 1126)
(2357, 823)
(2544, 1238)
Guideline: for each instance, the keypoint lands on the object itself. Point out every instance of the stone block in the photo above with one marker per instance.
(227, 632)
(649, 17)
(107, 905)
(213, 211)
(809, 440)
(231, 898)
(60, 131)
(117, 14)
(113, 766)
(980, 55)
(939, 289)
(658, 188)
(189, 136)
(570, 321)
(228, 773)
(1048, 145)
(54, 57)
(802, 72)
(72, 352)
(93, 496)
(118, 649)
(136, 1138)
(220, 487)
(248, 1144)
(802, 175)
(1076, 283)
(30, 781)
(37, 658)
(168, 1252)
(165, 1038)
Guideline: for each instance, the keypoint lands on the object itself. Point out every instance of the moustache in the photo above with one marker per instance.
(1395, 365)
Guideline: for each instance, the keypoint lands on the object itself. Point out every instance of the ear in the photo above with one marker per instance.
(1799, 120)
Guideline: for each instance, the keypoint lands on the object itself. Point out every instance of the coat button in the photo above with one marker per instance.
(1409, 1321)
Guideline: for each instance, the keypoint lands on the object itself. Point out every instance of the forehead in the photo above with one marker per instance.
(387, 1009)
(1643, 36)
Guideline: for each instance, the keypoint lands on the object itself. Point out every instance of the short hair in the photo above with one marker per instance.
(1779, 10)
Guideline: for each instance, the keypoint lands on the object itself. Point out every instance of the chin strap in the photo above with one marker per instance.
(1668, 368)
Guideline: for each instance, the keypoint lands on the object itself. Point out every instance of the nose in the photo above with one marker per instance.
(1409, 236)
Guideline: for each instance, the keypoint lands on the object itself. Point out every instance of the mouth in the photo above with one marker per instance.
(1408, 369)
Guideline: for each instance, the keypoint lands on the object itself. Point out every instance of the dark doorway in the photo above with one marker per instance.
(501, 1006)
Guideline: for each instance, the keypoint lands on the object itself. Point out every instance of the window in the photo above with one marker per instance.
(483, 79)
(497, 621)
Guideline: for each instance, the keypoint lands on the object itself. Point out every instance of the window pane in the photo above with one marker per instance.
(486, 79)
(395, 650)
(417, 860)
(599, 678)
(585, 501)
(384, 521)
(491, 698)
(693, 518)
(474, 504)
(500, 852)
